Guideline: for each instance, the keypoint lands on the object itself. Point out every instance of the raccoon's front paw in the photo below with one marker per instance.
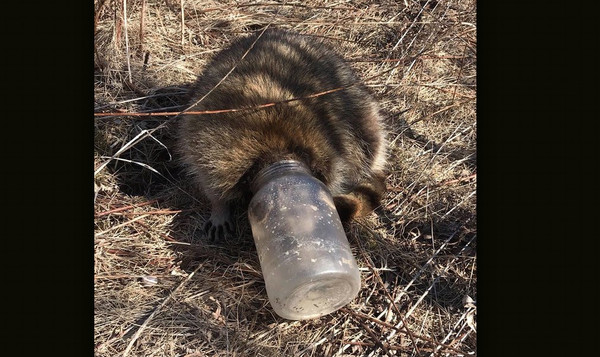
(219, 227)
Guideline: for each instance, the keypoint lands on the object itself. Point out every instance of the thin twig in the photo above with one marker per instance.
(402, 323)
(165, 236)
(460, 72)
(145, 133)
(146, 166)
(182, 24)
(437, 112)
(400, 41)
(142, 16)
(128, 276)
(98, 12)
(238, 6)
(126, 40)
(118, 30)
(119, 225)
(380, 282)
(139, 98)
(401, 59)
(218, 111)
(460, 203)
(460, 179)
(390, 326)
(113, 339)
(164, 211)
(158, 309)
(451, 331)
(374, 337)
(312, 345)
(391, 347)
(139, 137)
(298, 5)
(120, 209)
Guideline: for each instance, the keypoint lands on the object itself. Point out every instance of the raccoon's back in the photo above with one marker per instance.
(275, 67)
(321, 130)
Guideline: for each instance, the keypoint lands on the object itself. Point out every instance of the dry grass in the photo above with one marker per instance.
(161, 290)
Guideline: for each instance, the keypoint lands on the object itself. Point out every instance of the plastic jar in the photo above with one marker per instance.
(307, 264)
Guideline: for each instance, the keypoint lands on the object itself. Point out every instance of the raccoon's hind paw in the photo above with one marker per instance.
(220, 225)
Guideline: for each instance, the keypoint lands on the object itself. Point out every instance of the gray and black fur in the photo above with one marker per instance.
(339, 135)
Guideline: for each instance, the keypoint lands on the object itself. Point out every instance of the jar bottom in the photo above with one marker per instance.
(317, 298)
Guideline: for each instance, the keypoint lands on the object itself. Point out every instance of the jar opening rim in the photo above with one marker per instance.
(277, 169)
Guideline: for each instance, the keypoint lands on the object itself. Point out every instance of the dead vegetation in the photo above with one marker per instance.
(161, 290)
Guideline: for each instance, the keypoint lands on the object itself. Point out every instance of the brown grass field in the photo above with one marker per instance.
(160, 289)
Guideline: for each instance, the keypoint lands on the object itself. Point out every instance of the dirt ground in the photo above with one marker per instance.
(161, 289)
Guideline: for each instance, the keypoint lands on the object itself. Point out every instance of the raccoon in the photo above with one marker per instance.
(338, 135)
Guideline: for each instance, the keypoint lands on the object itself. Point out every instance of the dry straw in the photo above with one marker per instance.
(162, 290)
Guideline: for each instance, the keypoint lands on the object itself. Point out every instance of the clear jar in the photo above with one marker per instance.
(307, 264)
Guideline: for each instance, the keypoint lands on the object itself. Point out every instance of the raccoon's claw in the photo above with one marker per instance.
(218, 230)
(220, 225)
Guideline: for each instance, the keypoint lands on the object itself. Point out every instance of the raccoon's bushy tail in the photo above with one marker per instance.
(362, 200)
